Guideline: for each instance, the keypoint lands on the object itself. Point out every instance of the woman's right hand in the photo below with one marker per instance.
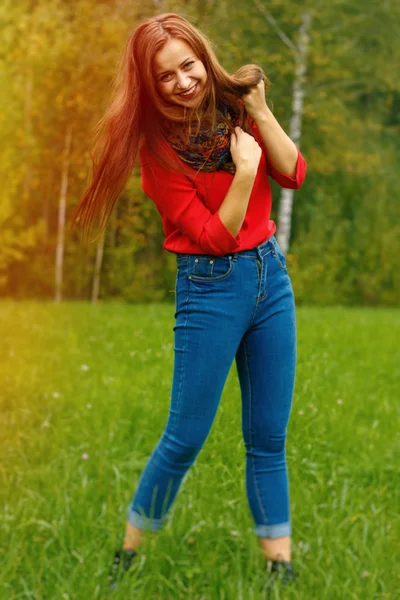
(245, 150)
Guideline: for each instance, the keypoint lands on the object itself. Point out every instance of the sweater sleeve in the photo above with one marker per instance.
(285, 181)
(177, 200)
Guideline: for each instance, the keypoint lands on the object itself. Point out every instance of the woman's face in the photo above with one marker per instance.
(177, 69)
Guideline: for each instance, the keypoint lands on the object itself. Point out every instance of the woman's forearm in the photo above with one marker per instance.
(234, 206)
(282, 152)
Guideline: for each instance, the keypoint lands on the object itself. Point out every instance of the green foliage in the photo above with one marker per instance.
(347, 246)
(57, 63)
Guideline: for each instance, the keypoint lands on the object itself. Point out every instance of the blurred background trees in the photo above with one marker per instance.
(57, 61)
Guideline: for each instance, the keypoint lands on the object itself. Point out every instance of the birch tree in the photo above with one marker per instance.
(97, 268)
(299, 51)
(62, 205)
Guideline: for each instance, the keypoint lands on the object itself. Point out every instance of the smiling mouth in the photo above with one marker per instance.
(189, 92)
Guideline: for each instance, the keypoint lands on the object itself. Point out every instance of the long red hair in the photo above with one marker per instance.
(137, 111)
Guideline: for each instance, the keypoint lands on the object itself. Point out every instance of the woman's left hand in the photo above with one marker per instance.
(254, 101)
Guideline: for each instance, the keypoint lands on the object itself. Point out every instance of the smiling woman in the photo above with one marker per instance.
(234, 298)
(168, 76)
(186, 82)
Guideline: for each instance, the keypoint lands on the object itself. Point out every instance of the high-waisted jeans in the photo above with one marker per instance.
(238, 306)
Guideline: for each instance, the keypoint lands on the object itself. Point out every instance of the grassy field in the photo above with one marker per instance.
(84, 399)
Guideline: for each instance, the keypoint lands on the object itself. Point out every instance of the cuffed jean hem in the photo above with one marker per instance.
(273, 531)
(142, 523)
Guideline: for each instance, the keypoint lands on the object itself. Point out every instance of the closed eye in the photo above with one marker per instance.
(191, 62)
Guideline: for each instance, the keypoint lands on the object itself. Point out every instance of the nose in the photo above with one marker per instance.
(184, 82)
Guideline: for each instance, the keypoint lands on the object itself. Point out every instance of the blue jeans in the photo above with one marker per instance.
(239, 306)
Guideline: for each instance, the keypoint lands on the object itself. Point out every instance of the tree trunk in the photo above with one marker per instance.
(28, 137)
(284, 219)
(159, 5)
(46, 205)
(97, 269)
(61, 214)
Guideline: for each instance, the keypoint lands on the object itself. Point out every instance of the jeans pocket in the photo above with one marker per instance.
(208, 268)
(280, 256)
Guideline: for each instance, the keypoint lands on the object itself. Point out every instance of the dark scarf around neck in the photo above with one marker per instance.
(200, 154)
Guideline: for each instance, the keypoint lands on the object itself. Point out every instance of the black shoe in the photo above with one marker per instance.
(280, 573)
(122, 562)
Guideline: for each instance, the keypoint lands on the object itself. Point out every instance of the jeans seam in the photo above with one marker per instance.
(184, 348)
(251, 435)
(264, 275)
(257, 299)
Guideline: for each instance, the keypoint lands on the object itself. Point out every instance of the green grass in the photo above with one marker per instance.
(80, 378)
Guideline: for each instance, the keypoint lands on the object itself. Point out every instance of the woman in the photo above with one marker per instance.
(234, 298)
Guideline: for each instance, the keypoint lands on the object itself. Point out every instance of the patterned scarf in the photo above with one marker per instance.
(201, 154)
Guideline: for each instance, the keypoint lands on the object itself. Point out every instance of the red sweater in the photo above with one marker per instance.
(189, 214)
